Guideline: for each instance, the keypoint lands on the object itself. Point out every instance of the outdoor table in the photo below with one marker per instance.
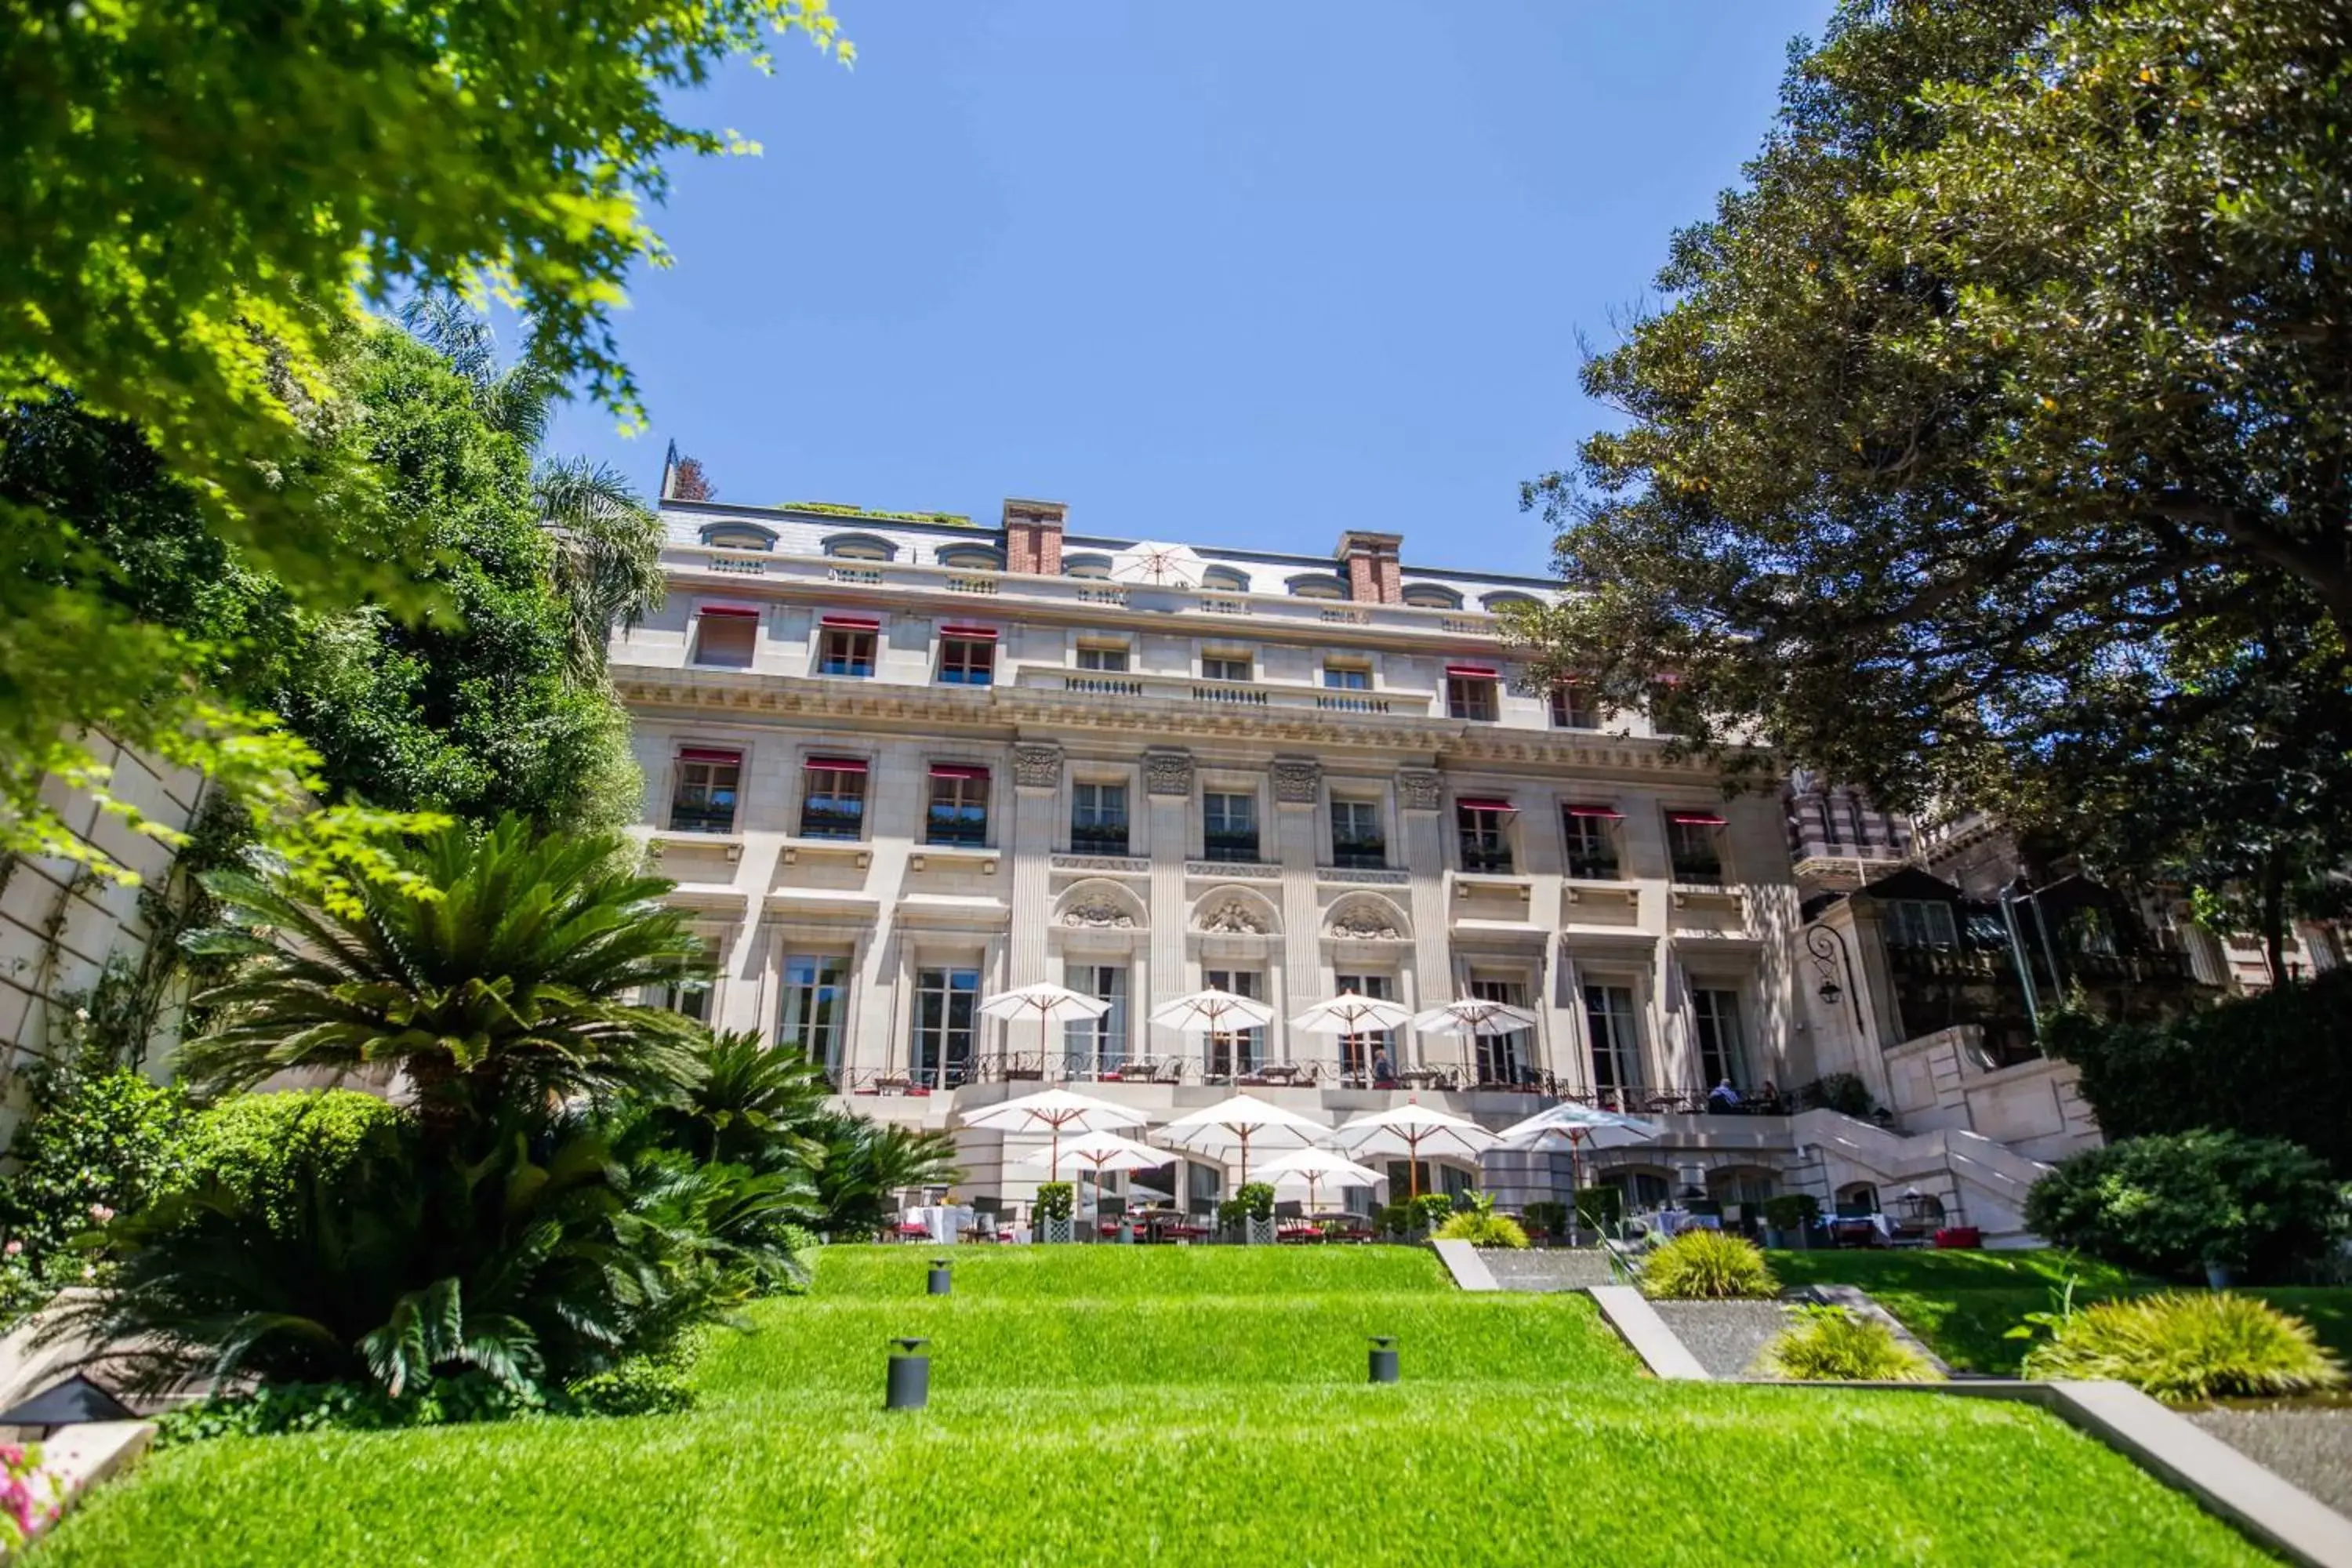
(1280, 1072)
(941, 1222)
(1877, 1225)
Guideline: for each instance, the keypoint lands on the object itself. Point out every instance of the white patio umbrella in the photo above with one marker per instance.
(1048, 1004)
(1162, 566)
(1348, 1013)
(1056, 1111)
(1314, 1166)
(1211, 1011)
(1101, 1152)
(1579, 1128)
(1474, 1015)
(1234, 1123)
(1412, 1130)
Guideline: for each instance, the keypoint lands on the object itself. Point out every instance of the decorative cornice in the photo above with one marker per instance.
(1362, 875)
(1168, 773)
(1419, 789)
(1234, 870)
(1296, 781)
(1122, 865)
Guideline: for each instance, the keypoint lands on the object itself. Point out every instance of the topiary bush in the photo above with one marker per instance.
(1791, 1211)
(1430, 1210)
(1055, 1200)
(1828, 1345)
(2185, 1347)
(1250, 1200)
(1480, 1225)
(1548, 1217)
(1707, 1266)
(2172, 1203)
(267, 1148)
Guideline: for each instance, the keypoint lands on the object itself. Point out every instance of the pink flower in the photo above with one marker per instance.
(100, 1213)
(14, 1250)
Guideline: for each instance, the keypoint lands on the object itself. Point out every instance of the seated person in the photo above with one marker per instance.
(1769, 1101)
(1723, 1097)
(1383, 1070)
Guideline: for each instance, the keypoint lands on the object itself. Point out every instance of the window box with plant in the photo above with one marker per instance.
(702, 797)
(833, 799)
(1483, 825)
(1695, 844)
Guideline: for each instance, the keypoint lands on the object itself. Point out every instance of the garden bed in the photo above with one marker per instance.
(2308, 1441)
(1725, 1336)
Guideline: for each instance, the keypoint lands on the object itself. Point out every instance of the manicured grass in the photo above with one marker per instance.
(1913, 1268)
(1127, 1406)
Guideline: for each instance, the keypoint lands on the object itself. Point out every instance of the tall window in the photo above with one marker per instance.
(845, 646)
(1235, 1052)
(1695, 841)
(1348, 675)
(1919, 922)
(833, 799)
(691, 991)
(725, 639)
(1092, 1046)
(1500, 1058)
(1355, 1051)
(1357, 838)
(1473, 691)
(1573, 708)
(959, 812)
(702, 799)
(1592, 842)
(816, 991)
(1108, 657)
(967, 656)
(1610, 1023)
(1225, 666)
(1229, 826)
(1715, 1020)
(1485, 826)
(1099, 819)
(947, 1001)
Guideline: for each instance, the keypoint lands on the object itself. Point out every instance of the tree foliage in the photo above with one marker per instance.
(1991, 444)
(196, 198)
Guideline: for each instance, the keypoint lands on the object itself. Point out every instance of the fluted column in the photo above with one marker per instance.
(1168, 794)
(1297, 786)
(1419, 794)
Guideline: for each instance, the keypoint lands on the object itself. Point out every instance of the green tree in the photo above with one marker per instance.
(2003, 407)
(196, 197)
(500, 985)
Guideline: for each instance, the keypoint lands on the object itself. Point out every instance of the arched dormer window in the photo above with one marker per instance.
(739, 536)
(971, 558)
(1315, 586)
(1431, 596)
(1096, 568)
(1509, 600)
(1224, 580)
(860, 547)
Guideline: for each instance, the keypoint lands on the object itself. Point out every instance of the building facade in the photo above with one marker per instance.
(896, 766)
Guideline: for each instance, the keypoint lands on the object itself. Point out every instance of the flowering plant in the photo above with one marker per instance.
(29, 1495)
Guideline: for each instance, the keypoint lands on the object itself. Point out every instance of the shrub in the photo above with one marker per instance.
(1828, 1345)
(2169, 1204)
(1480, 1225)
(1430, 1210)
(1791, 1211)
(274, 1408)
(2185, 1347)
(1707, 1266)
(1844, 1093)
(1549, 1217)
(267, 1149)
(1250, 1200)
(2271, 1066)
(94, 1139)
(1599, 1208)
(1056, 1200)
(642, 1386)
(29, 1495)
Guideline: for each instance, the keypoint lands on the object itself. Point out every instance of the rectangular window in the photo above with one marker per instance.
(1694, 843)
(1235, 1052)
(1573, 708)
(1609, 1023)
(1919, 922)
(1229, 826)
(947, 1003)
(1109, 658)
(1500, 1058)
(967, 656)
(1715, 1020)
(702, 799)
(691, 994)
(1347, 675)
(845, 646)
(1225, 666)
(1358, 841)
(816, 991)
(833, 799)
(725, 639)
(1484, 827)
(1592, 842)
(959, 811)
(1473, 691)
(1092, 1046)
(1099, 819)
(1362, 1056)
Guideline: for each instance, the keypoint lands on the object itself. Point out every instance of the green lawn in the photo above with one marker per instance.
(1963, 1304)
(1125, 1406)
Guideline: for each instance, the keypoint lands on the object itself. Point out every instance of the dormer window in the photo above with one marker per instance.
(1094, 568)
(1317, 586)
(1224, 580)
(737, 536)
(1430, 596)
(1496, 604)
(860, 547)
(971, 558)
(1474, 691)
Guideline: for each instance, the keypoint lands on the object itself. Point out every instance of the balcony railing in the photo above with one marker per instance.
(1359, 854)
(688, 816)
(1699, 873)
(955, 829)
(833, 821)
(1493, 860)
(1234, 847)
(1099, 838)
(1593, 868)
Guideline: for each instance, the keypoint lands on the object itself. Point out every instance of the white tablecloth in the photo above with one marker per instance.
(1673, 1221)
(945, 1223)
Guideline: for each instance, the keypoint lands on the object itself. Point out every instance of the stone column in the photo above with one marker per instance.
(1298, 788)
(1037, 791)
(1420, 793)
(1168, 794)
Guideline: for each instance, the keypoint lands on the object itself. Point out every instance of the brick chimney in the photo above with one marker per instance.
(1371, 562)
(1033, 536)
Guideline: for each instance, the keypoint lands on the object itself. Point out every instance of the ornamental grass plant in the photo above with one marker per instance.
(1827, 1344)
(2186, 1349)
(1707, 1266)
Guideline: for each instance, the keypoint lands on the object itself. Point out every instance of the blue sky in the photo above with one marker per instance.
(1323, 269)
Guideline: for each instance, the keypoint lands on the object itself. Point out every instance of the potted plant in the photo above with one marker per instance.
(1789, 1218)
(1250, 1210)
(1056, 1202)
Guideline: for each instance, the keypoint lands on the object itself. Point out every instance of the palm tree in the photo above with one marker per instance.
(748, 1104)
(606, 562)
(497, 977)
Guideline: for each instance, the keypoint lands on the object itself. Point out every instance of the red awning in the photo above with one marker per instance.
(708, 754)
(850, 623)
(1608, 811)
(1484, 802)
(957, 771)
(1470, 671)
(982, 634)
(835, 766)
(727, 610)
(1694, 818)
